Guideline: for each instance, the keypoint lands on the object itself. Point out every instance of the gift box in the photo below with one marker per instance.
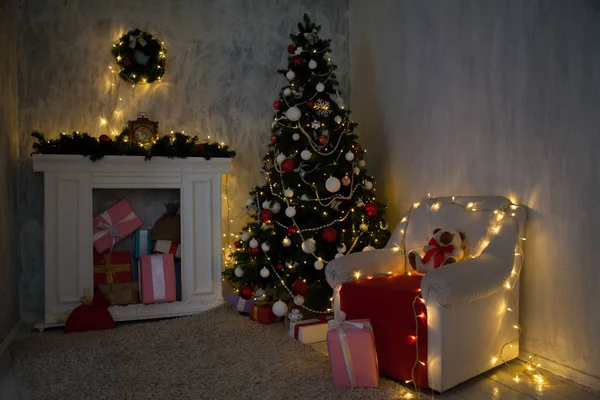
(112, 268)
(113, 225)
(309, 330)
(142, 243)
(242, 305)
(157, 278)
(263, 313)
(168, 247)
(352, 355)
(121, 294)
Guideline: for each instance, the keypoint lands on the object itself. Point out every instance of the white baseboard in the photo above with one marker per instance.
(573, 374)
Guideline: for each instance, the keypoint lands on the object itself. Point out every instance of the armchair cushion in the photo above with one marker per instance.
(388, 303)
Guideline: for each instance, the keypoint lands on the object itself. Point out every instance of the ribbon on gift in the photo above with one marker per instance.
(438, 252)
(338, 323)
(108, 228)
(158, 278)
(134, 39)
(110, 269)
(143, 236)
(299, 324)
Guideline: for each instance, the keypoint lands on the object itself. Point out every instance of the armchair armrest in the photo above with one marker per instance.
(377, 262)
(467, 280)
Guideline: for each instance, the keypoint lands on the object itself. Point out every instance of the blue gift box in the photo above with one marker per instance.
(142, 243)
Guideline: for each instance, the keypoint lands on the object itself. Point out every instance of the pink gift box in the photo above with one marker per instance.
(157, 278)
(352, 355)
(113, 225)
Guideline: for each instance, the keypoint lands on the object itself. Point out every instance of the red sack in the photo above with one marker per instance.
(91, 317)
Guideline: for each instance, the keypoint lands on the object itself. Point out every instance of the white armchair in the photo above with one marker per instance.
(472, 305)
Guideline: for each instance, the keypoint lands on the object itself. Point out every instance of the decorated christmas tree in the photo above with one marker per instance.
(317, 203)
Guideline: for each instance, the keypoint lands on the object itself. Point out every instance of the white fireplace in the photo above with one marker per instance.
(69, 181)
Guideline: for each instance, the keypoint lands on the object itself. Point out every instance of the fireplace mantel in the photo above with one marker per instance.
(69, 181)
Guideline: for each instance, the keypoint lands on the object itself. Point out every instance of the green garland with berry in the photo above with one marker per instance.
(175, 145)
(140, 57)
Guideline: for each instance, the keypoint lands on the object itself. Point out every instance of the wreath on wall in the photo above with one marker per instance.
(140, 57)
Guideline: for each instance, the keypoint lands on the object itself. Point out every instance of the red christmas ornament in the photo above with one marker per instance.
(104, 138)
(292, 230)
(371, 209)
(265, 215)
(310, 104)
(246, 292)
(329, 234)
(280, 267)
(357, 148)
(297, 60)
(292, 48)
(276, 104)
(254, 251)
(200, 147)
(299, 286)
(273, 138)
(288, 165)
(237, 244)
(322, 139)
(127, 62)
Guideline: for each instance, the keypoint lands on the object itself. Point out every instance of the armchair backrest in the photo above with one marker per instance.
(468, 214)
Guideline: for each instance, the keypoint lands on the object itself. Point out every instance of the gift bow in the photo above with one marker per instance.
(109, 228)
(438, 252)
(133, 39)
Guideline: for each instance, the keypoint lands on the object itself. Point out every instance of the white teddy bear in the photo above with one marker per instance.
(445, 247)
(295, 315)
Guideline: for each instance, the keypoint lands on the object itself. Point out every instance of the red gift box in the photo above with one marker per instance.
(157, 276)
(263, 313)
(113, 225)
(112, 268)
(393, 325)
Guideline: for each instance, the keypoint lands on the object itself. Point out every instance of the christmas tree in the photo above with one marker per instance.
(317, 203)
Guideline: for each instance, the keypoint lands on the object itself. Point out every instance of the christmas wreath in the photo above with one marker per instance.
(140, 57)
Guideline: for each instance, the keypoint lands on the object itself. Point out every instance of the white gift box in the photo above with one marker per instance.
(309, 330)
(166, 247)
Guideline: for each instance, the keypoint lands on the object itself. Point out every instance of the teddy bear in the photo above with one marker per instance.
(445, 247)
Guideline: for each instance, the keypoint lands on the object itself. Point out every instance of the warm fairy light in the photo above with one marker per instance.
(422, 363)
(402, 231)
(416, 204)
(516, 326)
(403, 219)
(408, 395)
(516, 378)
(496, 229)
(523, 238)
(500, 216)
(513, 272)
(436, 206)
(453, 199)
(429, 195)
(394, 249)
(538, 378)
(470, 205)
(507, 285)
(494, 360)
(509, 309)
(413, 338)
(514, 206)
(357, 275)
(422, 315)
(103, 121)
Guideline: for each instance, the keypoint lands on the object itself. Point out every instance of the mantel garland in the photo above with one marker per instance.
(140, 57)
(175, 145)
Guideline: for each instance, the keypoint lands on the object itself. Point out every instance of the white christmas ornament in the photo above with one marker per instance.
(338, 119)
(288, 192)
(341, 248)
(266, 204)
(356, 170)
(349, 156)
(296, 136)
(320, 87)
(312, 64)
(260, 295)
(290, 212)
(363, 227)
(280, 158)
(304, 198)
(298, 299)
(368, 185)
(253, 243)
(280, 308)
(340, 102)
(287, 92)
(338, 255)
(239, 272)
(249, 203)
(362, 163)
(332, 184)
(319, 265)
(245, 236)
(293, 113)
(309, 246)
(264, 272)
(368, 248)
(306, 155)
(265, 246)
(290, 75)
(286, 241)
(276, 208)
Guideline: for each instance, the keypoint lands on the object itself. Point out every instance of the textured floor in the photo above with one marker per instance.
(215, 355)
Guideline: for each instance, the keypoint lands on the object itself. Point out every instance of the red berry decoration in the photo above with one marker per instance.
(310, 104)
(297, 60)
(322, 139)
(237, 244)
(276, 104)
(254, 251)
(371, 209)
(265, 215)
(288, 165)
(200, 147)
(246, 292)
(280, 267)
(273, 138)
(104, 138)
(299, 286)
(292, 230)
(292, 48)
(127, 62)
(329, 234)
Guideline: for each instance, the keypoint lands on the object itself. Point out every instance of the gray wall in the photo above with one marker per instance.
(220, 81)
(495, 97)
(9, 138)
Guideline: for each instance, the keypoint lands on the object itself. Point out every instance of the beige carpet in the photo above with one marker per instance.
(215, 355)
